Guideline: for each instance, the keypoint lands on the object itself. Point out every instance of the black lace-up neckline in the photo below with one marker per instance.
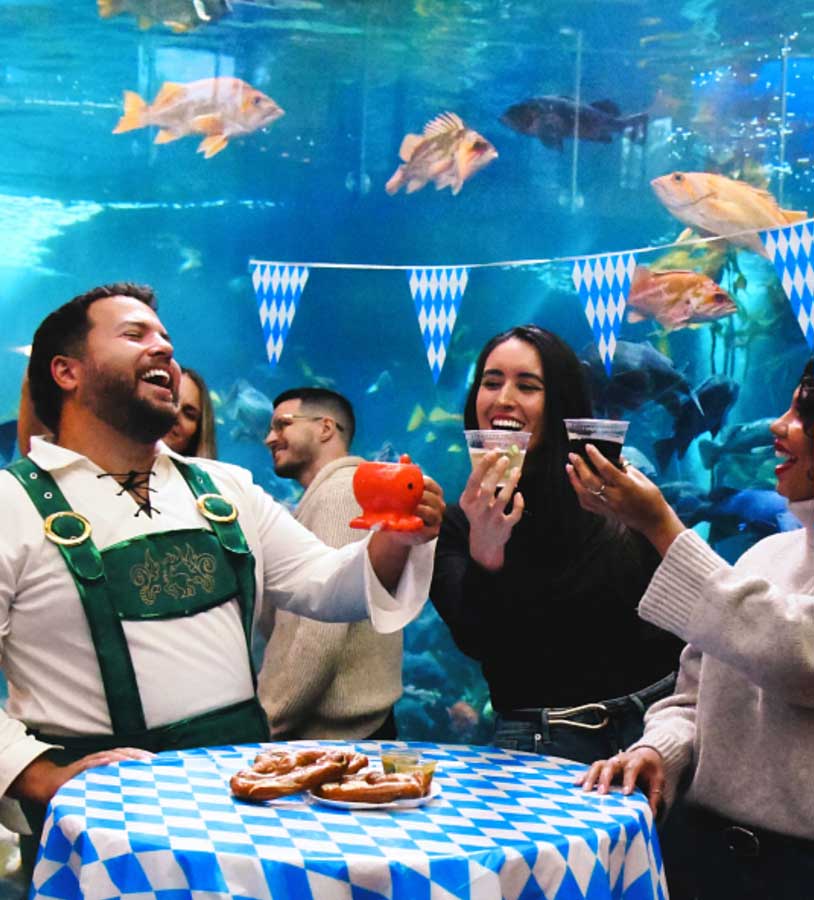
(137, 484)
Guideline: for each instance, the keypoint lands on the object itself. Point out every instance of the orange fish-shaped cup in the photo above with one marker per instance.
(388, 494)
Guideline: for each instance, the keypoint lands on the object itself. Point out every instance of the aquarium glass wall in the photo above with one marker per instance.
(128, 155)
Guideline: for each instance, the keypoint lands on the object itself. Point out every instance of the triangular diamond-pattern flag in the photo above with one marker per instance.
(278, 288)
(603, 283)
(437, 294)
(789, 249)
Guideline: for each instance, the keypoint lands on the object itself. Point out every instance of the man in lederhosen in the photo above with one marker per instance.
(128, 574)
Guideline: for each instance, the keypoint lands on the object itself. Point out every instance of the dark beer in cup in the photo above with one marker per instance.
(607, 435)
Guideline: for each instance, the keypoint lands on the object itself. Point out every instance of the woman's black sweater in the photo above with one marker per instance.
(556, 626)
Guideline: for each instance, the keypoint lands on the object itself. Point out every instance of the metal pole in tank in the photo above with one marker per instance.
(577, 91)
(784, 73)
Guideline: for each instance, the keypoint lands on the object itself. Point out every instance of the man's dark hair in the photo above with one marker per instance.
(314, 400)
(63, 333)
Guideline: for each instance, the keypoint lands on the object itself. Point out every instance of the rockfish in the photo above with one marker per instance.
(721, 205)
(220, 108)
(552, 118)
(177, 15)
(677, 298)
(447, 153)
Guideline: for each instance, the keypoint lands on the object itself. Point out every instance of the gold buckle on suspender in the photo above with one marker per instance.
(66, 541)
(213, 516)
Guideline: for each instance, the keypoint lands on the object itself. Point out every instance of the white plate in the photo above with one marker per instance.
(411, 803)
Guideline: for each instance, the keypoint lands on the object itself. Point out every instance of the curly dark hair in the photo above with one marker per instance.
(63, 333)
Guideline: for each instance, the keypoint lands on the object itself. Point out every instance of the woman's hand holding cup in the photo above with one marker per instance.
(490, 526)
(625, 494)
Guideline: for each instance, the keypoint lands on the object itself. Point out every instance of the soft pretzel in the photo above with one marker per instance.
(279, 762)
(279, 773)
(376, 787)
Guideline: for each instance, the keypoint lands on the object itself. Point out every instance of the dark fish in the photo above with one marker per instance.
(178, 15)
(249, 409)
(741, 438)
(638, 460)
(716, 396)
(764, 512)
(551, 119)
(8, 439)
(686, 498)
(640, 374)
(423, 669)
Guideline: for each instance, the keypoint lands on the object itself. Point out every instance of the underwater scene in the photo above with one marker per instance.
(202, 146)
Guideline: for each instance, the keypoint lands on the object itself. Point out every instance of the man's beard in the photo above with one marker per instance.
(291, 469)
(113, 399)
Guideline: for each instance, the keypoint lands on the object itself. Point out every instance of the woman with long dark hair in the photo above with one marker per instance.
(540, 591)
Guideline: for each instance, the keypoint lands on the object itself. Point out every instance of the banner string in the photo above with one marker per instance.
(520, 263)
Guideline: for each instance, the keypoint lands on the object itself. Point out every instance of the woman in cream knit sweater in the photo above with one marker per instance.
(740, 725)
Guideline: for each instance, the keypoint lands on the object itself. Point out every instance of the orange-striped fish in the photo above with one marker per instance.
(677, 298)
(220, 108)
(447, 153)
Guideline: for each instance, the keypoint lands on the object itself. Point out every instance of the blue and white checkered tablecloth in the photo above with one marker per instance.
(506, 825)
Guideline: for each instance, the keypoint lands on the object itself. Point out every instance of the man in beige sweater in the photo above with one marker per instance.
(325, 680)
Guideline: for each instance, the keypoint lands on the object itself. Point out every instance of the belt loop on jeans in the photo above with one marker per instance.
(545, 726)
(636, 700)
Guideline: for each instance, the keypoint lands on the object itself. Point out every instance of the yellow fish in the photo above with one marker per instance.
(221, 108)
(417, 417)
(447, 153)
(437, 414)
(723, 206)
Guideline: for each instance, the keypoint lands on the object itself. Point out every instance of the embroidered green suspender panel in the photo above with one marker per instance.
(155, 576)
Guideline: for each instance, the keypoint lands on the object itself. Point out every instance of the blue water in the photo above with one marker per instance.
(80, 206)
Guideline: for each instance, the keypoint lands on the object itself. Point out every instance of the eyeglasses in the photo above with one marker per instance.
(279, 424)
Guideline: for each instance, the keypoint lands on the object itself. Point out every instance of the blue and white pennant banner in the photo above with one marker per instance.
(603, 283)
(790, 250)
(437, 293)
(278, 288)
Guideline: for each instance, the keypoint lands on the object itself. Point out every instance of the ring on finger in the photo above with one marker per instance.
(599, 493)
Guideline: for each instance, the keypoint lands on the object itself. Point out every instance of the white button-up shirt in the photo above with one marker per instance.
(183, 666)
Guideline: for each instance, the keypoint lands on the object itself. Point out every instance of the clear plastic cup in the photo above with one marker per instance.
(607, 435)
(513, 444)
(400, 759)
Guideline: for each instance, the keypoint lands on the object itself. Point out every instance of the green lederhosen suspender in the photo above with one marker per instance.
(243, 722)
(105, 611)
